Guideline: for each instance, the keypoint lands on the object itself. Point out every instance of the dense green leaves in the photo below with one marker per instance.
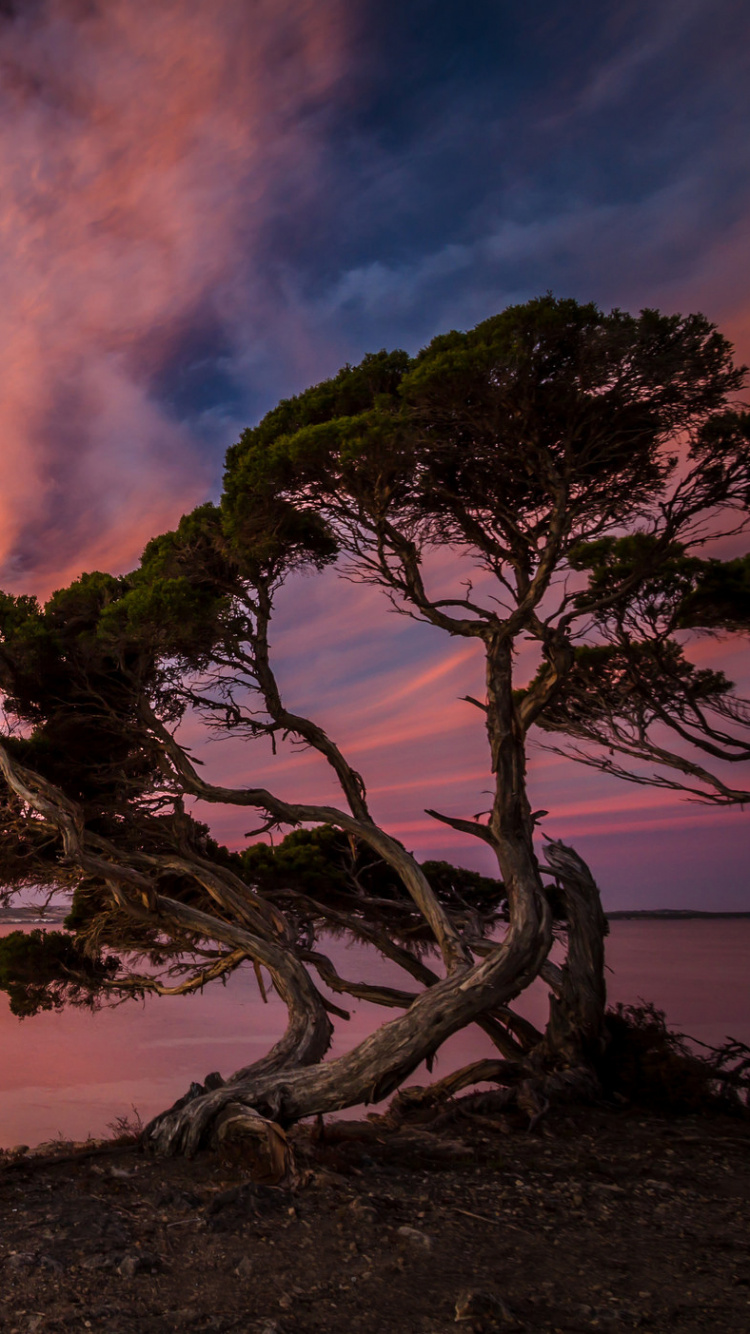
(478, 438)
(719, 598)
(639, 682)
(338, 871)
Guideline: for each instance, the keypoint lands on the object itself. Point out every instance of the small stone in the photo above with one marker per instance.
(21, 1260)
(477, 1307)
(133, 1264)
(411, 1236)
(245, 1268)
(49, 1262)
(363, 1212)
(97, 1262)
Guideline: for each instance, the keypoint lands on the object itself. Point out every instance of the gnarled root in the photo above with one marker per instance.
(259, 1145)
(412, 1103)
(533, 1095)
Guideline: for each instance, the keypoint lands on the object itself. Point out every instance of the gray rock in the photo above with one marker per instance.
(21, 1260)
(412, 1237)
(481, 1309)
(97, 1262)
(139, 1263)
(49, 1262)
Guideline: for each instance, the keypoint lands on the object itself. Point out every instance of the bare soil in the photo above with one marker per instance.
(598, 1220)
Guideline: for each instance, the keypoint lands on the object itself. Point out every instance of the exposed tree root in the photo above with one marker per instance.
(533, 1096)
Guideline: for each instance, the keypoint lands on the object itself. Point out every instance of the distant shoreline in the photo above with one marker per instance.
(668, 914)
(17, 916)
(54, 916)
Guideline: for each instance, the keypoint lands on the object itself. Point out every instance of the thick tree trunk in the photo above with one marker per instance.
(575, 1032)
(511, 828)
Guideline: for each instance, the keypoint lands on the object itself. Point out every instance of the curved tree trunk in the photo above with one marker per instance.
(379, 1064)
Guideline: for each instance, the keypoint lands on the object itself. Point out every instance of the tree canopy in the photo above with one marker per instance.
(581, 463)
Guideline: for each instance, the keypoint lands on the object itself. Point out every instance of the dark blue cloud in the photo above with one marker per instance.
(483, 153)
(471, 155)
(194, 378)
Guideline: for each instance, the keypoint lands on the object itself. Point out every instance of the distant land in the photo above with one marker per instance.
(56, 914)
(18, 916)
(667, 913)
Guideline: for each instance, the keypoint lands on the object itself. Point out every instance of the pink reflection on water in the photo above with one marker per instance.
(73, 1073)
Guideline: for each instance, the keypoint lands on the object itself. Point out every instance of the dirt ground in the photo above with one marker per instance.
(598, 1220)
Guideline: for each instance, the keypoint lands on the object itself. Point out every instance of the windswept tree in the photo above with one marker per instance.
(533, 447)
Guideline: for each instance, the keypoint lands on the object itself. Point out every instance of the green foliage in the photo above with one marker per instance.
(719, 598)
(311, 861)
(335, 870)
(634, 681)
(664, 587)
(47, 970)
(473, 441)
(459, 887)
(74, 690)
(274, 475)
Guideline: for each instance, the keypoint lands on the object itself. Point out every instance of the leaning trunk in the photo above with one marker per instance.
(575, 1032)
(376, 1067)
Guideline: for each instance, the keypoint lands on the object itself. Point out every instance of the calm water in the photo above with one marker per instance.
(74, 1073)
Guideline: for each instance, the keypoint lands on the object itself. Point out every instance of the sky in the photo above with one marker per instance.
(206, 205)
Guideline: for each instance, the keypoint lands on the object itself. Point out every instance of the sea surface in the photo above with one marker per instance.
(75, 1073)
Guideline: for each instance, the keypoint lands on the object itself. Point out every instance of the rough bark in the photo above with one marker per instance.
(379, 1064)
(576, 1030)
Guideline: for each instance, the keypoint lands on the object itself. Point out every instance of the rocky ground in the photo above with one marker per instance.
(598, 1220)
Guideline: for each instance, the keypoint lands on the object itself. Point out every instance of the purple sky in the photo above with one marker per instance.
(206, 206)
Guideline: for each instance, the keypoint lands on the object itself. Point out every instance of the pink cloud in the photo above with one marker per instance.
(139, 142)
